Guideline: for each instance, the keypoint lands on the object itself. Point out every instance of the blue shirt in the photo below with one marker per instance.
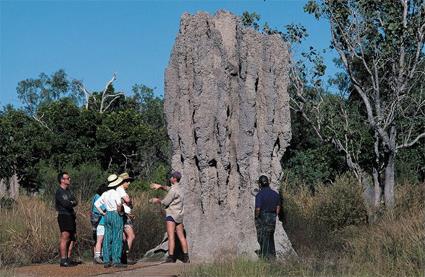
(94, 210)
(267, 200)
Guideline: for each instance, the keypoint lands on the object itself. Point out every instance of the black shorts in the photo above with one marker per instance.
(67, 223)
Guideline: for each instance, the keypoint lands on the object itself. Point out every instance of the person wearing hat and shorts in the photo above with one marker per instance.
(65, 203)
(112, 240)
(173, 204)
(267, 207)
(128, 216)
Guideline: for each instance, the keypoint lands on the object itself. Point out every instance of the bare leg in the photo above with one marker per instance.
(129, 235)
(98, 246)
(70, 247)
(180, 235)
(64, 244)
(171, 226)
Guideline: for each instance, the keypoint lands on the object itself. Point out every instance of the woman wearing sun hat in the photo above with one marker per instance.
(127, 217)
(112, 241)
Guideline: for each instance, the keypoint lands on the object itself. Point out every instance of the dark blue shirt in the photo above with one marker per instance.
(267, 200)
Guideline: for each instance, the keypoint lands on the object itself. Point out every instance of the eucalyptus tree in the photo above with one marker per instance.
(380, 46)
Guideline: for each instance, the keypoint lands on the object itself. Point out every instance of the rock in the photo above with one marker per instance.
(227, 110)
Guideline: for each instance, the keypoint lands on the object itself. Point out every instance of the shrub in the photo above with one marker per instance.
(340, 205)
(314, 219)
(85, 179)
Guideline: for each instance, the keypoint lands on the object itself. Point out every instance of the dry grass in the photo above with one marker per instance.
(29, 231)
(329, 232)
(334, 242)
(149, 224)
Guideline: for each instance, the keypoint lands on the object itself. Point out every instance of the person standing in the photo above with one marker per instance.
(173, 203)
(98, 225)
(65, 203)
(267, 207)
(112, 240)
(127, 217)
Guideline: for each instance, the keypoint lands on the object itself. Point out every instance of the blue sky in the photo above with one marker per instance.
(91, 40)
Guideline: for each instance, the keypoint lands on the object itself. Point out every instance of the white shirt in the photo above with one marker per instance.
(111, 199)
(121, 191)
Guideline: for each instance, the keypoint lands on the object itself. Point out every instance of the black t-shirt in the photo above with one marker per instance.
(65, 201)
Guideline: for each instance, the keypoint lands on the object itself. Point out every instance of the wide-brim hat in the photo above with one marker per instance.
(126, 177)
(114, 180)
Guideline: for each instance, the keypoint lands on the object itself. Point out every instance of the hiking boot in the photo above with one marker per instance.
(185, 259)
(97, 260)
(120, 265)
(170, 259)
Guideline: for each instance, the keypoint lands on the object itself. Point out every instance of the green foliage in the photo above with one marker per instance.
(295, 33)
(316, 220)
(410, 167)
(307, 161)
(311, 166)
(85, 179)
(250, 20)
(159, 174)
(35, 92)
(56, 133)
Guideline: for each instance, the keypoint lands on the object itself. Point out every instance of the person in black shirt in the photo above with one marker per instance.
(65, 203)
(267, 207)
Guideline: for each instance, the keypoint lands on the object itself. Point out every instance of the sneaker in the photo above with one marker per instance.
(170, 259)
(185, 258)
(120, 265)
(97, 260)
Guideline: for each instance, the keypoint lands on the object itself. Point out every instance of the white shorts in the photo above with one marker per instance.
(100, 230)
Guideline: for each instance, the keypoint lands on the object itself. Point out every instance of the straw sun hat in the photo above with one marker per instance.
(114, 180)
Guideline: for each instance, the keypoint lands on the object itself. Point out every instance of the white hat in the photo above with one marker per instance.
(114, 180)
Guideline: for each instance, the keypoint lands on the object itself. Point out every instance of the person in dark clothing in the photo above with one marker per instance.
(65, 203)
(267, 207)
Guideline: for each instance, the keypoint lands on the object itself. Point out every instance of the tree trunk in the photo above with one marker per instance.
(227, 111)
(389, 175)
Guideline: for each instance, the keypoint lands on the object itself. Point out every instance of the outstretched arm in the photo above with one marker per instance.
(155, 200)
(158, 186)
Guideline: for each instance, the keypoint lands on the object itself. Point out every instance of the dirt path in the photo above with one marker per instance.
(145, 269)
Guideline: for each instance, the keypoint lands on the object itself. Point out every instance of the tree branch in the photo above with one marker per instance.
(411, 143)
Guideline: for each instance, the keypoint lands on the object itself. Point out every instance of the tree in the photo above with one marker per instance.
(101, 101)
(380, 45)
(34, 93)
(105, 130)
